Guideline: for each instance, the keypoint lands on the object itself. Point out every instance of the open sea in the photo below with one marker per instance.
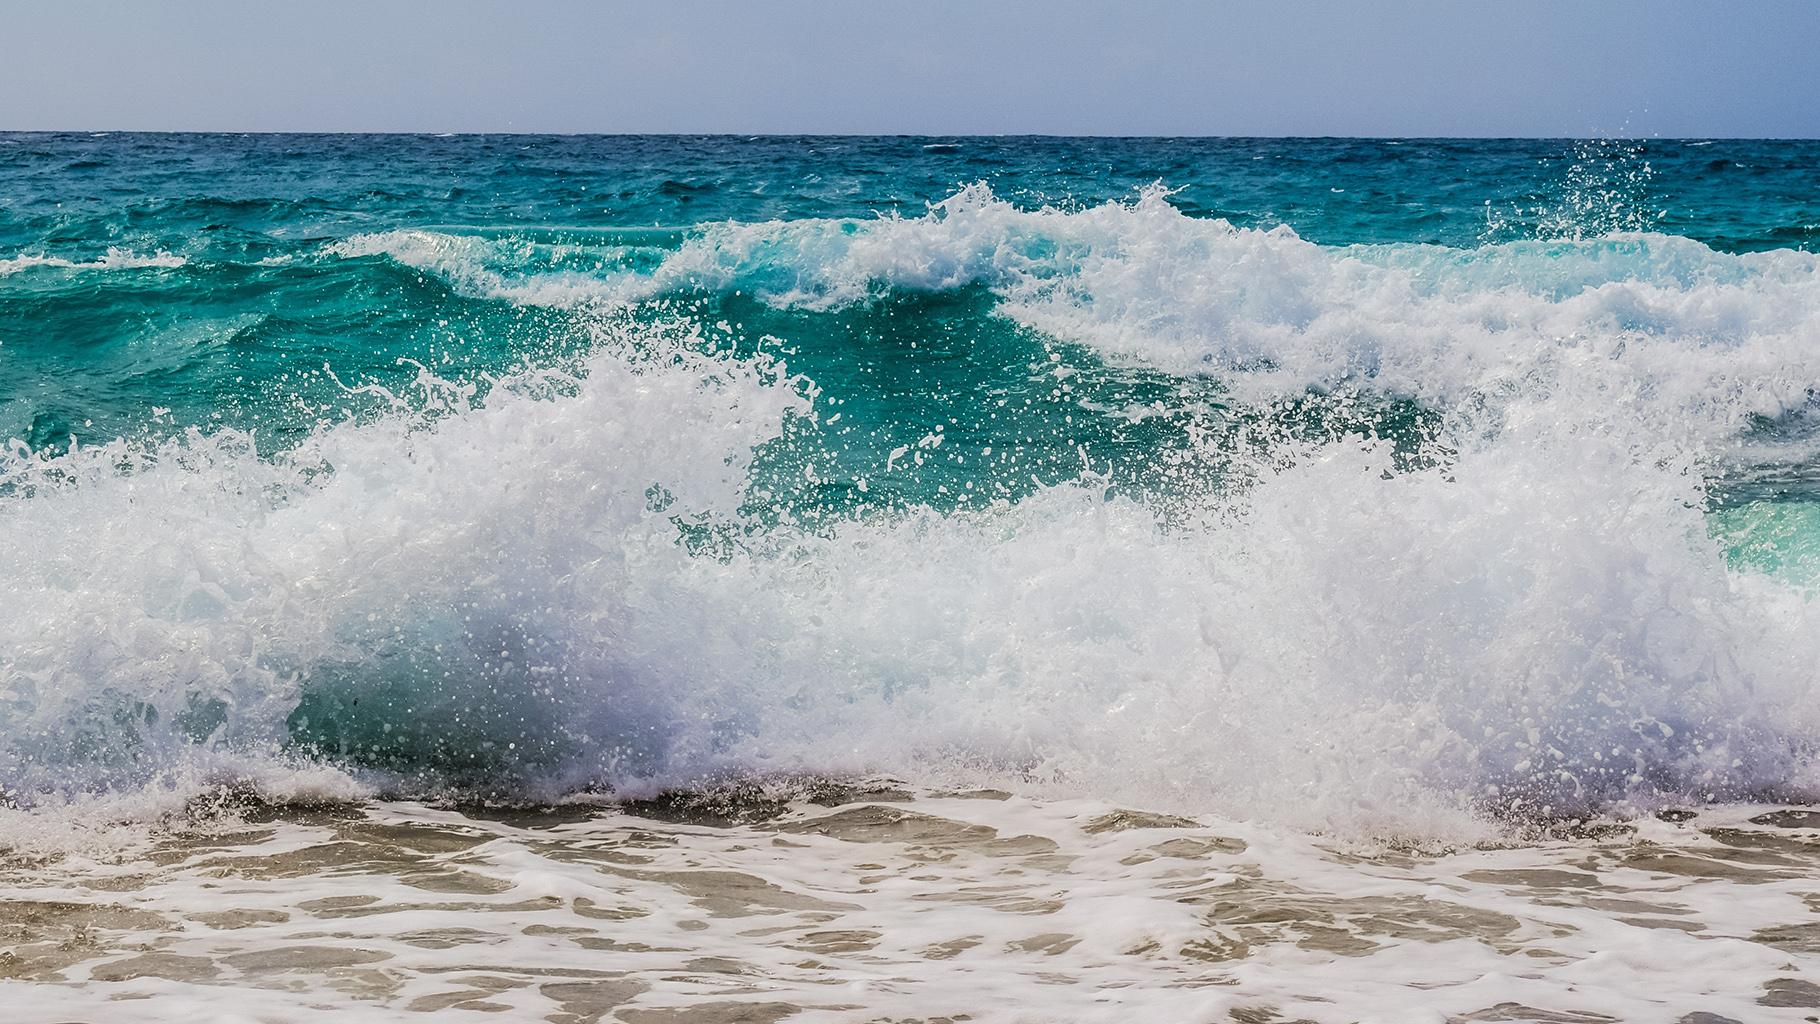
(723, 580)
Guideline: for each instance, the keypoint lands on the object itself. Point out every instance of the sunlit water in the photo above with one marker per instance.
(1333, 571)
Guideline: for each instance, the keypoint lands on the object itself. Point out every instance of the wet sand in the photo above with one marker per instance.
(884, 905)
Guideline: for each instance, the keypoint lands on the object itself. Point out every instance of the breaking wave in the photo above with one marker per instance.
(561, 584)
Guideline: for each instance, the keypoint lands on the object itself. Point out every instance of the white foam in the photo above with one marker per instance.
(115, 258)
(1709, 332)
(1002, 911)
(1541, 623)
(494, 269)
(1537, 622)
(1275, 314)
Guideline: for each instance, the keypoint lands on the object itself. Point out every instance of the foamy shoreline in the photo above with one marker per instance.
(882, 903)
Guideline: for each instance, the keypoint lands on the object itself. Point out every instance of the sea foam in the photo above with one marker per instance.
(115, 258)
(556, 589)
(1270, 312)
(562, 585)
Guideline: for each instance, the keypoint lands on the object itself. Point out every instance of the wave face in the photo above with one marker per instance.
(1495, 503)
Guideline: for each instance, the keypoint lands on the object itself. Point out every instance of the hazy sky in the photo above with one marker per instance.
(1252, 67)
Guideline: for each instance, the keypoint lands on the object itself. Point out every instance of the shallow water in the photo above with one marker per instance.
(877, 903)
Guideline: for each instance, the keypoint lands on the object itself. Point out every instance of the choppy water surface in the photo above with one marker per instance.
(1379, 496)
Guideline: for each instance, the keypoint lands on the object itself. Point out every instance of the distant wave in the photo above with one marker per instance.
(114, 259)
(1267, 310)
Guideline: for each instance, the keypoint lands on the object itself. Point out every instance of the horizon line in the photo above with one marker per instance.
(424, 133)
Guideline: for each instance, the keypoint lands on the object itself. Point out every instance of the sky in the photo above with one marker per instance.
(1669, 68)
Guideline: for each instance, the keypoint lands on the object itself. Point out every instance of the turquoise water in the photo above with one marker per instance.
(1474, 473)
(257, 304)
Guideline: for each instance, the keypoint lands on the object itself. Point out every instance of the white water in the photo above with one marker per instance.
(1008, 911)
(1730, 334)
(1541, 624)
(116, 258)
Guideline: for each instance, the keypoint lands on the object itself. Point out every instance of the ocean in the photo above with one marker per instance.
(853, 579)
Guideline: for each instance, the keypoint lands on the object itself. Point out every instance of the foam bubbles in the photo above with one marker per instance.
(190, 593)
(115, 258)
(1141, 282)
(561, 586)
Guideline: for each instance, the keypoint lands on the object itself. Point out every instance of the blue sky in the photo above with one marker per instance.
(1144, 67)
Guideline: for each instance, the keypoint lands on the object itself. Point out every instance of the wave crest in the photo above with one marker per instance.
(1272, 314)
(116, 258)
(556, 588)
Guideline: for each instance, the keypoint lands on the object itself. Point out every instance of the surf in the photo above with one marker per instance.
(1361, 537)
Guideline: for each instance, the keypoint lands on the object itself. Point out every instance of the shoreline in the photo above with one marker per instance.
(897, 904)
